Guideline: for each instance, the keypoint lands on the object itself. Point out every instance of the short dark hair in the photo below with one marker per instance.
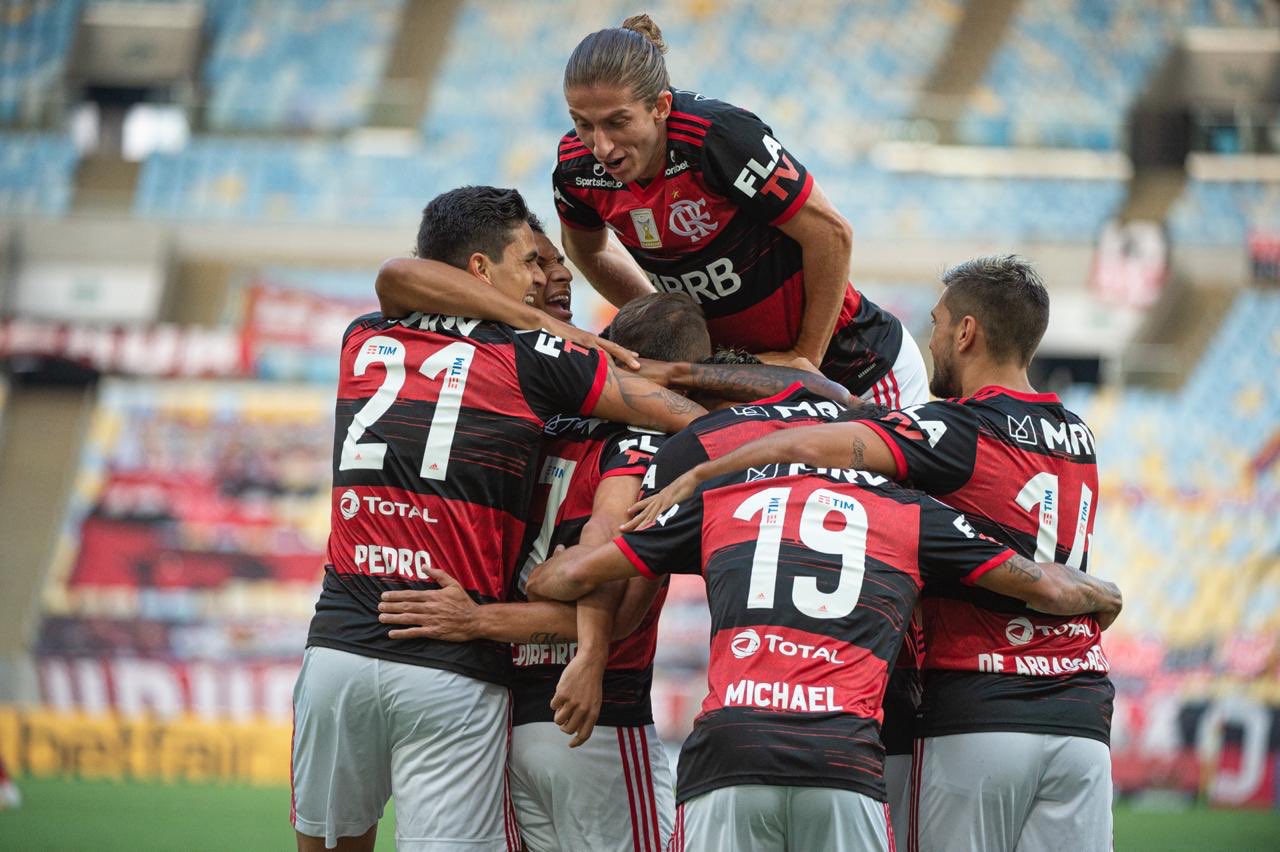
(731, 357)
(662, 326)
(535, 223)
(469, 219)
(1007, 298)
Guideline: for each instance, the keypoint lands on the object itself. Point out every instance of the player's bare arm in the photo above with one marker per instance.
(406, 284)
(1055, 589)
(628, 398)
(741, 382)
(450, 614)
(574, 572)
(580, 690)
(831, 445)
(606, 264)
(826, 240)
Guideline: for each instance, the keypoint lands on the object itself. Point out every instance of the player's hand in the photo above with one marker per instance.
(619, 355)
(658, 372)
(579, 694)
(645, 512)
(788, 358)
(446, 613)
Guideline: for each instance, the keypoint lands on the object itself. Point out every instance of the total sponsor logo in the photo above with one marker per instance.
(349, 507)
(1037, 665)
(1021, 630)
(780, 695)
(527, 654)
(397, 561)
(748, 642)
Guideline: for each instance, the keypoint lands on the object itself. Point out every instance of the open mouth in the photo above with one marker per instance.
(612, 166)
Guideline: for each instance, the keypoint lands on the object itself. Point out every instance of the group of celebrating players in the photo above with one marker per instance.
(904, 642)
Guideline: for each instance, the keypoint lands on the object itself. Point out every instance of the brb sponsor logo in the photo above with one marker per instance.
(710, 284)
(349, 507)
(1021, 630)
(748, 642)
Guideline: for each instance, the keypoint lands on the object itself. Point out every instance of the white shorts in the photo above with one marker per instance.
(613, 793)
(906, 383)
(766, 818)
(366, 729)
(1014, 792)
(897, 784)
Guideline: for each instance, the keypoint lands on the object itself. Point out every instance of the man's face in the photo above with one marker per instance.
(556, 298)
(942, 346)
(627, 137)
(517, 273)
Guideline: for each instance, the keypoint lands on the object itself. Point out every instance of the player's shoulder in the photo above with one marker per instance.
(373, 321)
(573, 155)
(694, 109)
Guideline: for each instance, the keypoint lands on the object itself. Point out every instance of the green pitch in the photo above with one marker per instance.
(76, 815)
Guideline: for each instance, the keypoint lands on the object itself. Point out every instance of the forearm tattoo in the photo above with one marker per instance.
(1023, 568)
(635, 391)
(857, 458)
(545, 638)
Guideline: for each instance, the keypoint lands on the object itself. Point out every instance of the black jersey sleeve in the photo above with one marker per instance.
(679, 453)
(558, 376)
(571, 207)
(630, 452)
(934, 444)
(671, 545)
(950, 549)
(743, 162)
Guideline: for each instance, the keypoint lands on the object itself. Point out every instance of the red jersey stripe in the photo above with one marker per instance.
(597, 387)
(686, 127)
(687, 116)
(693, 140)
(993, 562)
(898, 458)
(633, 558)
(780, 395)
(794, 207)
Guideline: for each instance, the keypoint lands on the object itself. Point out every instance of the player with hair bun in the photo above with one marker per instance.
(705, 200)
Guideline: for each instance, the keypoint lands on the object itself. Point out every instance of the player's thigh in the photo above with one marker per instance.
(1072, 808)
(341, 764)
(748, 816)
(448, 736)
(976, 790)
(836, 820)
(897, 784)
(614, 792)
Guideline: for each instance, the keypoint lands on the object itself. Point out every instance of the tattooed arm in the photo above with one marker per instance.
(835, 445)
(1055, 589)
(628, 398)
(742, 382)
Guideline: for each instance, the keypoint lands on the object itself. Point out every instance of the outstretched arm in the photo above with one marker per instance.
(742, 382)
(572, 573)
(832, 445)
(1055, 589)
(606, 264)
(405, 285)
(628, 398)
(826, 240)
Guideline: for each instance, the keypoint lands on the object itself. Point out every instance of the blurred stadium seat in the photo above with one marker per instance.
(36, 173)
(35, 37)
(1224, 212)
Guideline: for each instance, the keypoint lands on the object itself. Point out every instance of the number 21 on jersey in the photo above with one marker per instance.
(450, 364)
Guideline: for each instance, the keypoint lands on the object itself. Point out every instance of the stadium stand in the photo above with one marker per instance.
(1070, 69)
(1223, 212)
(272, 63)
(35, 36)
(37, 172)
(1193, 474)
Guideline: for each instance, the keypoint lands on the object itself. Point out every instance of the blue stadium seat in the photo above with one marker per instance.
(37, 172)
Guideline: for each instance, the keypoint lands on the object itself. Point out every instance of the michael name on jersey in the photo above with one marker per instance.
(780, 695)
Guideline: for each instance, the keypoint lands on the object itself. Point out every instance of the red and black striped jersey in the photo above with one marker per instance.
(438, 424)
(579, 454)
(1023, 470)
(720, 432)
(811, 578)
(708, 226)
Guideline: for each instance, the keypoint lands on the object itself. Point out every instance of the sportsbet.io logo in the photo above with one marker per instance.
(745, 644)
(349, 505)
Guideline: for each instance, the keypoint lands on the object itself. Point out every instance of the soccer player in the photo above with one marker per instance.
(10, 796)
(612, 791)
(437, 427)
(1016, 713)
(811, 578)
(706, 201)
